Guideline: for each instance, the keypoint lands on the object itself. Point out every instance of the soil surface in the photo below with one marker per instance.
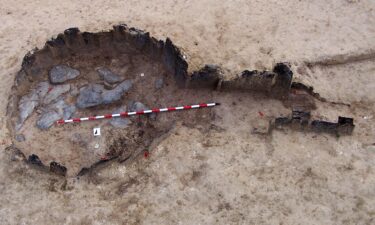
(213, 167)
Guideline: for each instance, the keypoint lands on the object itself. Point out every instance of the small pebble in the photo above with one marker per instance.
(159, 83)
(20, 137)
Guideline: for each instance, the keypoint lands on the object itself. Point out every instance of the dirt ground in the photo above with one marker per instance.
(226, 174)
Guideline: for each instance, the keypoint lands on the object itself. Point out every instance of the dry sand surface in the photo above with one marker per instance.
(226, 175)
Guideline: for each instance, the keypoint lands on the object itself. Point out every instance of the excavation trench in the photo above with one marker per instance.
(80, 74)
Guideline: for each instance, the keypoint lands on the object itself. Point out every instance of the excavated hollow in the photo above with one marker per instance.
(80, 74)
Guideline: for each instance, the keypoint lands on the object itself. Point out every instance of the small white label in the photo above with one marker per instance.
(96, 131)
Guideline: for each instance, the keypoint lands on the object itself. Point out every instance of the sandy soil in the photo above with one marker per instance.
(226, 175)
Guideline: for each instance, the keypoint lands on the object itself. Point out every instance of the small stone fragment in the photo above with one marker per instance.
(108, 75)
(56, 92)
(61, 73)
(120, 122)
(159, 83)
(138, 106)
(20, 137)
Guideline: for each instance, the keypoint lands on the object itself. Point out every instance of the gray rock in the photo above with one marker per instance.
(115, 94)
(47, 119)
(120, 122)
(94, 95)
(61, 73)
(90, 95)
(108, 75)
(29, 102)
(20, 137)
(125, 85)
(56, 92)
(159, 83)
(138, 106)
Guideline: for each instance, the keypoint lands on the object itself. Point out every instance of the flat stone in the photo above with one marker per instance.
(159, 83)
(56, 92)
(90, 95)
(95, 94)
(115, 94)
(61, 73)
(120, 122)
(108, 76)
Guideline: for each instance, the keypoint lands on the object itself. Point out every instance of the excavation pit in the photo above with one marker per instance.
(80, 74)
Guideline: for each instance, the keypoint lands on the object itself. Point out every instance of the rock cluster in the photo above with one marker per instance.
(49, 96)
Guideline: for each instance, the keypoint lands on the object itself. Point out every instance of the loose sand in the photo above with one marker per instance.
(225, 175)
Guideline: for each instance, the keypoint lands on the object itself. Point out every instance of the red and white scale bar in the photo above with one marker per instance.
(125, 114)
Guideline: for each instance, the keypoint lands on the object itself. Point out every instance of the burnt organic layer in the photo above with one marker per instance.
(79, 74)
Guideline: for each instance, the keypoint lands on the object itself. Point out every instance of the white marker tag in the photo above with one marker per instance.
(96, 131)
